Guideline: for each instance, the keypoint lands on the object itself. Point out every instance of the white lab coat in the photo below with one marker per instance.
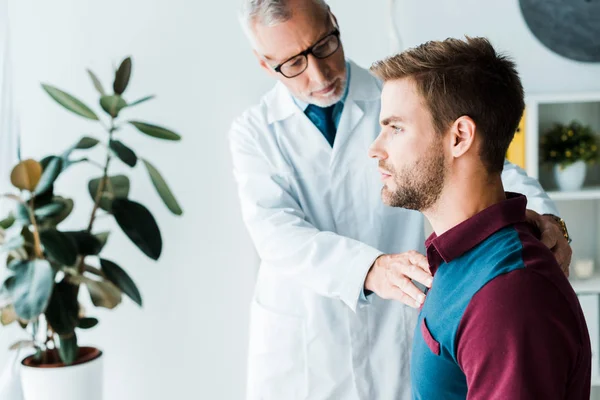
(318, 223)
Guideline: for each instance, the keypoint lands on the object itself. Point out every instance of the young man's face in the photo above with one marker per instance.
(324, 80)
(411, 154)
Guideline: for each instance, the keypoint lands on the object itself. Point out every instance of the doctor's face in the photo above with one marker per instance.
(412, 158)
(324, 81)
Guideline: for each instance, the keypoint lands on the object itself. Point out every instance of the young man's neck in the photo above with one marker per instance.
(462, 199)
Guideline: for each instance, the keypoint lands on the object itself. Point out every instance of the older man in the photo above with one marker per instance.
(310, 198)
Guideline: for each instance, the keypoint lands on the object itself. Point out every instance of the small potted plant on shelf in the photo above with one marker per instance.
(569, 148)
(47, 264)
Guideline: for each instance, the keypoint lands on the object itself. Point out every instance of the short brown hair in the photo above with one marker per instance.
(464, 77)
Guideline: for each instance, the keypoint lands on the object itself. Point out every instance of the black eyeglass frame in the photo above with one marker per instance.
(307, 52)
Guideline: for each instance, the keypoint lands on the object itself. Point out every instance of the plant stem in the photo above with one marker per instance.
(103, 181)
(36, 234)
(96, 164)
(95, 271)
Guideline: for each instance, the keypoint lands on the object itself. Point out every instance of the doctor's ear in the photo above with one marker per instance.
(263, 64)
(333, 19)
(462, 135)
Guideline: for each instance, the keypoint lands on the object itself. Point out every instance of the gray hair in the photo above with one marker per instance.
(268, 13)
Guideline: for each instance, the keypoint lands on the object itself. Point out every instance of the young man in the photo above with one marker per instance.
(501, 320)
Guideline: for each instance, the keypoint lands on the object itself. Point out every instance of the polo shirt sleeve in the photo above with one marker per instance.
(518, 339)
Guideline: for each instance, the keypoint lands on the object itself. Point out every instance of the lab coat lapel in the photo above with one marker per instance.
(363, 88)
(282, 108)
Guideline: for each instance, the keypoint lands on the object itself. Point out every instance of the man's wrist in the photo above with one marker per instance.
(562, 225)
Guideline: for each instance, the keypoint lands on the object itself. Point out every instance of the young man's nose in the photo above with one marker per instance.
(376, 150)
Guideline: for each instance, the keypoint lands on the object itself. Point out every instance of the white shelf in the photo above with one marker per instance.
(586, 193)
(591, 285)
(563, 98)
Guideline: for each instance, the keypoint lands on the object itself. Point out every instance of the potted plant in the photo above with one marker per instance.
(47, 265)
(568, 148)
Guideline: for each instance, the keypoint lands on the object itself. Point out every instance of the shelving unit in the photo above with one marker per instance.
(580, 209)
(586, 193)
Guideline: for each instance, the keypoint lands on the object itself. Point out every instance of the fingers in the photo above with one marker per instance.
(407, 287)
(391, 276)
(420, 271)
(414, 272)
(550, 235)
(399, 295)
(532, 217)
(563, 253)
(419, 260)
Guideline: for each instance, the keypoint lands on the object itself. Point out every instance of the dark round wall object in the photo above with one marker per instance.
(570, 28)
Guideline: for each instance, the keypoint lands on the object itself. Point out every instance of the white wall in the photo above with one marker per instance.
(189, 341)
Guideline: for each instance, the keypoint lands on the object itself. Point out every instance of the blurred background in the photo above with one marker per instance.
(189, 340)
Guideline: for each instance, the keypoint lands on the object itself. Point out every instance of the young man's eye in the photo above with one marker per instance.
(396, 129)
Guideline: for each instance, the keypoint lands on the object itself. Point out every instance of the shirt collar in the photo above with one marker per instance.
(364, 87)
(302, 105)
(468, 234)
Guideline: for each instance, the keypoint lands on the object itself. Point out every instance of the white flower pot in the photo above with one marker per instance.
(80, 381)
(571, 177)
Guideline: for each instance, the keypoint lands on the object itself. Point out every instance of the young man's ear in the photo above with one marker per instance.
(462, 135)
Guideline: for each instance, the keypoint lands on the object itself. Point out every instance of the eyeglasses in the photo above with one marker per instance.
(324, 48)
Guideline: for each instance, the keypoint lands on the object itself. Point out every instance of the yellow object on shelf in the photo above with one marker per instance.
(516, 150)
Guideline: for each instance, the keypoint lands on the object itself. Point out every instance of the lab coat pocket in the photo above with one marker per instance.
(276, 356)
(433, 345)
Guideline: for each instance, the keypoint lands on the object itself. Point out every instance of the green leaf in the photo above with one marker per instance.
(26, 175)
(121, 279)
(119, 184)
(123, 152)
(13, 243)
(155, 131)
(112, 104)
(59, 246)
(70, 103)
(163, 189)
(68, 206)
(87, 244)
(51, 172)
(103, 293)
(50, 210)
(103, 238)
(63, 310)
(29, 245)
(86, 142)
(30, 287)
(68, 349)
(97, 83)
(139, 225)
(140, 101)
(22, 214)
(44, 162)
(87, 323)
(8, 221)
(122, 76)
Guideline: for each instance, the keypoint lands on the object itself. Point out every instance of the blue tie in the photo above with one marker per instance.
(323, 120)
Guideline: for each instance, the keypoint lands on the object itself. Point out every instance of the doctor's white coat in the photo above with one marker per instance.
(318, 223)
